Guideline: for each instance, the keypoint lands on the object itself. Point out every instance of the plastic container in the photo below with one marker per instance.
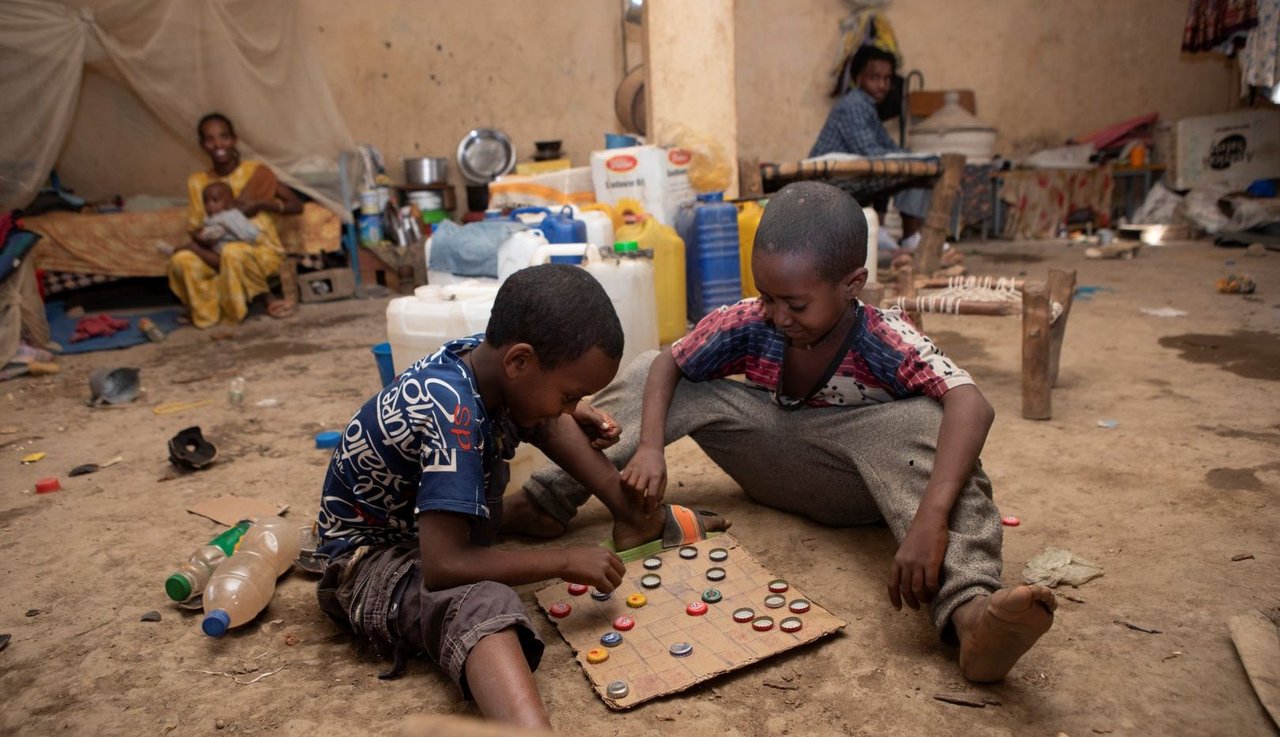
(191, 577)
(417, 325)
(713, 275)
(386, 368)
(628, 280)
(668, 274)
(235, 391)
(243, 584)
(516, 252)
(556, 227)
(749, 214)
(599, 227)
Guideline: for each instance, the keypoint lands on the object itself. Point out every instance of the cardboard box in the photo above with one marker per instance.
(655, 177)
(1232, 148)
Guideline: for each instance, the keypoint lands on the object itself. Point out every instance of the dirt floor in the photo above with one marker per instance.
(1187, 479)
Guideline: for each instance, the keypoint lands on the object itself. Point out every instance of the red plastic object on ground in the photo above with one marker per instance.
(1010, 521)
(48, 486)
(696, 609)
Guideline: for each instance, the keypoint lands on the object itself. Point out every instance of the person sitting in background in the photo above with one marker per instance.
(854, 127)
(217, 286)
(224, 223)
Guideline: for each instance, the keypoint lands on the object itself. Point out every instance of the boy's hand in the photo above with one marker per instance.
(593, 567)
(646, 475)
(914, 575)
(602, 429)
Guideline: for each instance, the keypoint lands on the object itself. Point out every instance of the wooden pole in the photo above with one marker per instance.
(937, 221)
(907, 291)
(1062, 289)
(1036, 385)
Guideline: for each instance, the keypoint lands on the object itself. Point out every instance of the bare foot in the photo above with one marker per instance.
(996, 630)
(644, 527)
(522, 516)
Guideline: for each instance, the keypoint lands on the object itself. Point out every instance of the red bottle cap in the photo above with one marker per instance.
(624, 623)
(577, 589)
(1011, 521)
(49, 485)
(696, 609)
(559, 609)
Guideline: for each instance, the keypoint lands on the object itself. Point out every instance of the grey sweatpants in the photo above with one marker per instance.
(857, 466)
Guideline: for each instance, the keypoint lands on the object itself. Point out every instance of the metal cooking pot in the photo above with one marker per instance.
(424, 170)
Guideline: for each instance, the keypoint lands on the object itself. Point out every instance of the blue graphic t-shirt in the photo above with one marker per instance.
(423, 443)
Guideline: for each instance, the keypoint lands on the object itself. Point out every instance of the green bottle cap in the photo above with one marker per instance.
(626, 247)
(178, 587)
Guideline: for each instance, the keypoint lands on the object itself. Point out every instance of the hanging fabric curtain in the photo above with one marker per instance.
(247, 59)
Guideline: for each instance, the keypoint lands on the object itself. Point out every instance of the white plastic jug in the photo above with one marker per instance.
(419, 324)
(516, 252)
(629, 284)
(599, 227)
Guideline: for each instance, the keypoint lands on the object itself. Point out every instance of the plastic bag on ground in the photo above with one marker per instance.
(1055, 566)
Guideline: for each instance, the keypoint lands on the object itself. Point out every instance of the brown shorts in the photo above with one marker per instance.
(378, 593)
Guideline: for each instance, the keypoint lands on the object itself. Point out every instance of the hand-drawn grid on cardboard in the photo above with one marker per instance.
(720, 644)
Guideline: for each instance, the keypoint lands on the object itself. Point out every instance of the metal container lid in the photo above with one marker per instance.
(485, 154)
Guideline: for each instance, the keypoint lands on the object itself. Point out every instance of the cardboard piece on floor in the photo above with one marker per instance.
(720, 644)
(229, 509)
(1258, 643)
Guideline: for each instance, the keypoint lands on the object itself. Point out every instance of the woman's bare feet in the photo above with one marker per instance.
(996, 630)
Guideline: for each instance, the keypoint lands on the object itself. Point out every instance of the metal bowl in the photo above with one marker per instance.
(485, 154)
(424, 170)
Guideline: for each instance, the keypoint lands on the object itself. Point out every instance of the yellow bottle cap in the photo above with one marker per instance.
(635, 601)
(597, 655)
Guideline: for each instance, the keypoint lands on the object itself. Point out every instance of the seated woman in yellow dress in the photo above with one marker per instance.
(217, 285)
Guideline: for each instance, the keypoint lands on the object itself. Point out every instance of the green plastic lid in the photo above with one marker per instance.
(626, 247)
(178, 587)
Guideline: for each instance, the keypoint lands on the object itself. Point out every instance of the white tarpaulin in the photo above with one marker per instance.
(247, 59)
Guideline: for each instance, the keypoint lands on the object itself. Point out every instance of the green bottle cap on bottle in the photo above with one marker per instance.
(178, 587)
(626, 247)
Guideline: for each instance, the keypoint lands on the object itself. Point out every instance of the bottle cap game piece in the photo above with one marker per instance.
(652, 564)
(597, 655)
(762, 624)
(600, 595)
(778, 586)
(798, 606)
(1010, 521)
(611, 639)
(577, 589)
(744, 615)
(635, 601)
(651, 581)
(617, 689)
(712, 596)
(790, 624)
(715, 574)
(624, 623)
(718, 555)
(688, 552)
(328, 439)
(775, 601)
(681, 649)
(559, 609)
(696, 609)
(48, 486)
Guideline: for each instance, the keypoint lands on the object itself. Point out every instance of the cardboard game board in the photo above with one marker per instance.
(644, 661)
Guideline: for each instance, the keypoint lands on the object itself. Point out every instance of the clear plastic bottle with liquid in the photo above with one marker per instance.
(190, 577)
(243, 584)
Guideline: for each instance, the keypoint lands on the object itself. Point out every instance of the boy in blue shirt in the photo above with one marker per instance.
(847, 415)
(413, 494)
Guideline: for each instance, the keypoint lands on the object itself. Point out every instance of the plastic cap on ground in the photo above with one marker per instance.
(178, 587)
(216, 623)
(328, 439)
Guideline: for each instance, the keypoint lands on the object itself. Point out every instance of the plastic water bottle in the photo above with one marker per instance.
(710, 232)
(190, 577)
(243, 584)
(235, 391)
